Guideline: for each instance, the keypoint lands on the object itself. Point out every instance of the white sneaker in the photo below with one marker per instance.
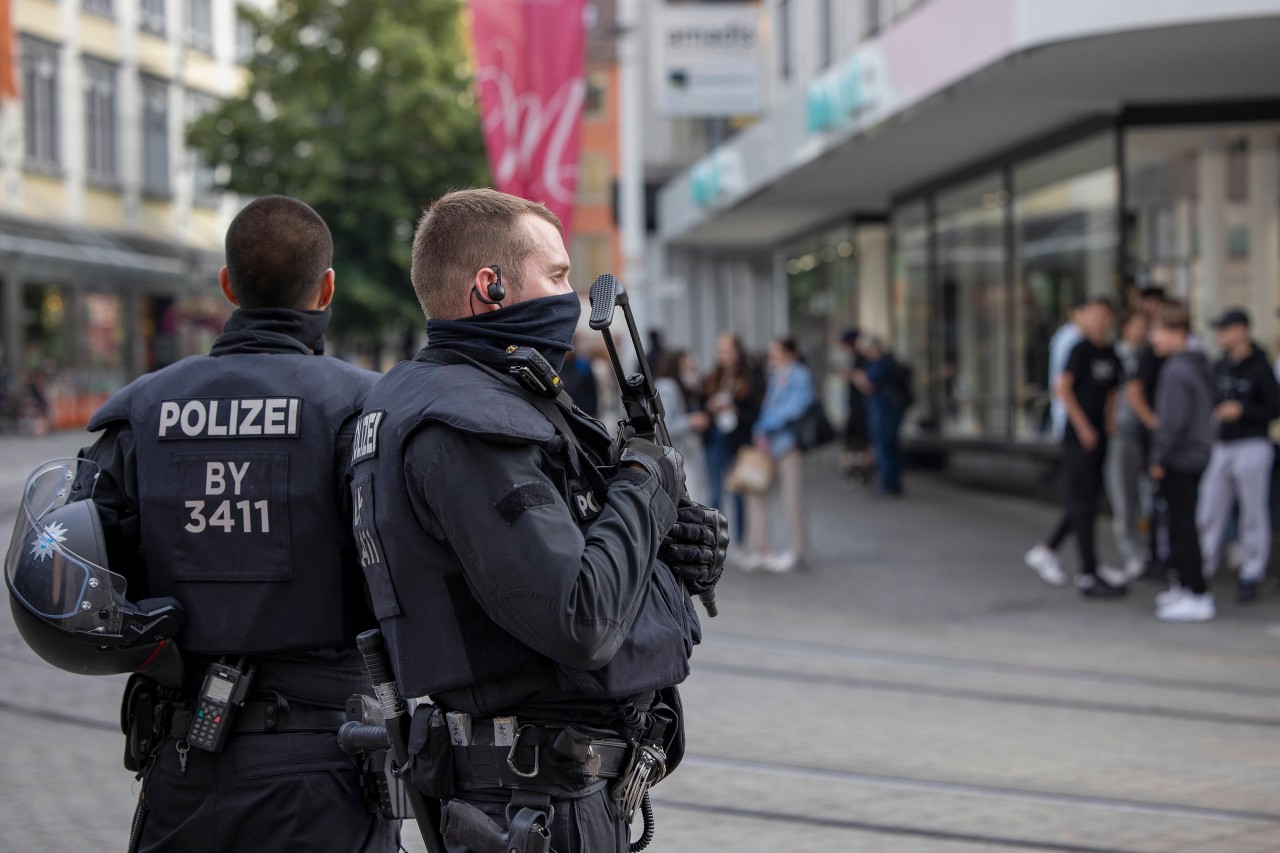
(780, 563)
(750, 561)
(1169, 596)
(1134, 567)
(1044, 562)
(1188, 608)
(1112, 575)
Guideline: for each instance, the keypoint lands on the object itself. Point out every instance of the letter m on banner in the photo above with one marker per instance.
(529, 58)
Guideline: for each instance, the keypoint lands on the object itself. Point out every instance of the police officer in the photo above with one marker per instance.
(515, 571)
(222, 486)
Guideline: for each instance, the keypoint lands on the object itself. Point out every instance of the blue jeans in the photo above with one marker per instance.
(719, 460)
(885, 424)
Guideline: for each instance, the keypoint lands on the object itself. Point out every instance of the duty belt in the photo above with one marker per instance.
(259, 716)
(536, 754)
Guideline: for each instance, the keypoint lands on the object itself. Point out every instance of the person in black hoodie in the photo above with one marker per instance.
(1239, 473)
(1180, 448)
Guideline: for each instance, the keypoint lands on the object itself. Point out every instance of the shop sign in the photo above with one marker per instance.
(709, 60)
(718, 175)
(846, 93)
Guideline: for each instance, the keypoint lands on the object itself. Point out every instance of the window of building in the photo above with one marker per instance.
(205, 186)
(826, 33)
(972, 293)
(874, 21)
(595, 178)
(784, 39)
(596, 107)
(200, 24)
(100, 7)
(40, 103)
(910, 313)
(246, 38)
(155, 136)
(1200, 214)
(151, 16)
(590, 255)
(101, 127)
(1065, 241)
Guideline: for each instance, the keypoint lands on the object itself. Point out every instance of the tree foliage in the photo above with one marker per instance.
(363, 109)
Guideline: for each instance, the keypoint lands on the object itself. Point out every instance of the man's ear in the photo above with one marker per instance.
(484, 277)
(224, 280)
(325, 295)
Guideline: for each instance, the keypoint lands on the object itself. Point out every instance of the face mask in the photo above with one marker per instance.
(546, 324)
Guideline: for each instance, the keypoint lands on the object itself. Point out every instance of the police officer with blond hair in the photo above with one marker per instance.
(222, 486)
(533, 583)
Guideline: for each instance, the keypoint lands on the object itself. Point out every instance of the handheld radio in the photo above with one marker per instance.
(224, 690)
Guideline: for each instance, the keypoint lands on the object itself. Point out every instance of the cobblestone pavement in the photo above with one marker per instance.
(913, 689)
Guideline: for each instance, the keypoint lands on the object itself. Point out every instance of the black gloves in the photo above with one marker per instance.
(664, 463)
(696, 546)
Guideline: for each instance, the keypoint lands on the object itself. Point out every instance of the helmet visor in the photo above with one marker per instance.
(56, 556)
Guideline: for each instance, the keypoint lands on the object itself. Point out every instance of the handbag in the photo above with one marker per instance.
(751, 472)
(812, 429)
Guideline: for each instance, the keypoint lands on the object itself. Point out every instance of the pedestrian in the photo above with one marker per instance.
(220, 483)
(1087, 389)
(1239, 473)
(1061, 344)
(1140, 393)
(885, 383)
(733, 391)
(685, 420)
(1180, 450)
(512, 560)
(856, 456)
(1126, 456)
(788, 394)
(580, 379)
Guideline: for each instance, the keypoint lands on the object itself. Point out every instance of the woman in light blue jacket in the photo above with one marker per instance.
(789, 393)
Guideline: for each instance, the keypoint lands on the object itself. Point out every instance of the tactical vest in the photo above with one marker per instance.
(438, 635)
(241, 514)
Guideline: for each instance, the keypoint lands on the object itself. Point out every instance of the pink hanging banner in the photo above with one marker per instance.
(529, 71)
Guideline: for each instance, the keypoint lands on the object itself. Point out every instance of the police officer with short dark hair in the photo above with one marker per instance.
(222, 485)
(513, 565)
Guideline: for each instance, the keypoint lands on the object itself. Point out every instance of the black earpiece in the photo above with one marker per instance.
(497, 292)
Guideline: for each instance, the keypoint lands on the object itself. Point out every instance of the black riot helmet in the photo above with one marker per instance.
(69, 607)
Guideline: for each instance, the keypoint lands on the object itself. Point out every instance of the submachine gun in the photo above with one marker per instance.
(645, 413)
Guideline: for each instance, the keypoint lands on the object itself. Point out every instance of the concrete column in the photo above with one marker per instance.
(71, 110)
(631, 156)
(871, 250)
(11, 309)
(1211, 168)
(781, 305)
(1264, 235)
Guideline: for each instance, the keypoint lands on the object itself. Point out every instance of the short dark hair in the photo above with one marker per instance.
(465, 231)
(1174, 315)
(1101, 302)
(1153, 292)
(278, 250)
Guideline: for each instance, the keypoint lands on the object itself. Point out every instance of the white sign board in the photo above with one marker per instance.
(709, 58)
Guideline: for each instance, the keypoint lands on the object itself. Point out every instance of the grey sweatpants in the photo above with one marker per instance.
(1124, 470)
(1239, 472)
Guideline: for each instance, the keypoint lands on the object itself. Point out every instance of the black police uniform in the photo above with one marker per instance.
(515, 575)
(223, 485)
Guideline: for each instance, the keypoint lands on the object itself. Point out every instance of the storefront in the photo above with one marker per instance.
(80, 319)
(984, 266)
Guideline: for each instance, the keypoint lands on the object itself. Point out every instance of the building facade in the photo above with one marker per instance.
(110, 229)
(951, 174)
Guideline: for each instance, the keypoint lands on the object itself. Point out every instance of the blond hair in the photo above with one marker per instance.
(463, 232)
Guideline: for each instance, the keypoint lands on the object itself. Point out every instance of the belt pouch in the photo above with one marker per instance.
(431, 754)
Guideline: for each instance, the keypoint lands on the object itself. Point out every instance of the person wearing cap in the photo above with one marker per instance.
(1239, 472)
